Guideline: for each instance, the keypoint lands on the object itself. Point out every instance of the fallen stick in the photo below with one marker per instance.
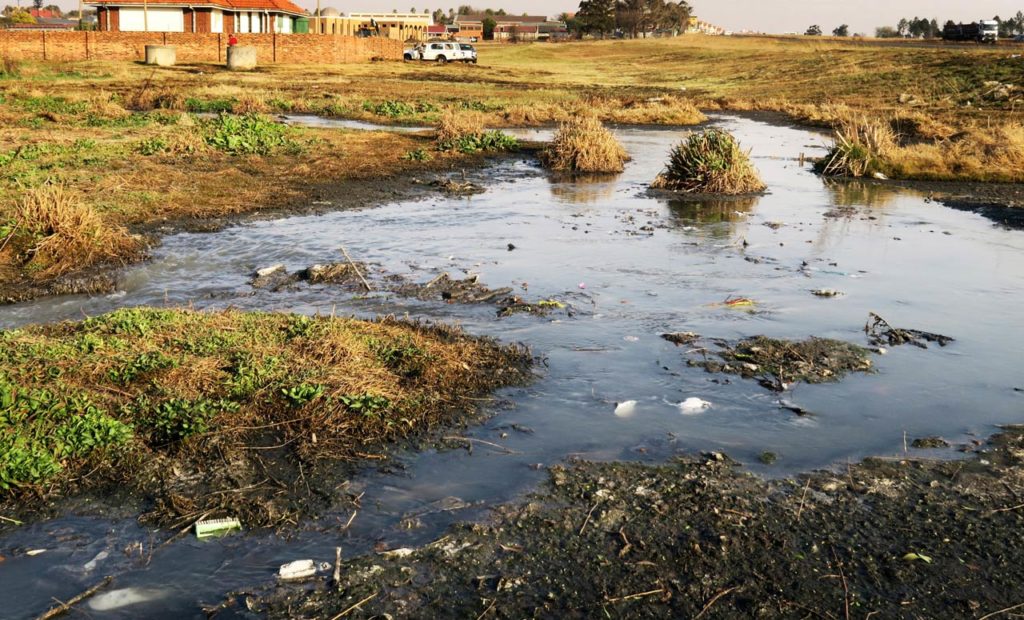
(356, 606)
(471, 440)
(714, 599)
(65, 607)
(637, 595)
(356, 269)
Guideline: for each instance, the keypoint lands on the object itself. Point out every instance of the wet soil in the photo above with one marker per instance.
(899, 538)
(777, 364)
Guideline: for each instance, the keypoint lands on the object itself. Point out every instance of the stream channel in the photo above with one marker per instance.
(633, 266)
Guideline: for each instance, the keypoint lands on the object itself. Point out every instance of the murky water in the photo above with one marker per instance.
(635, 267)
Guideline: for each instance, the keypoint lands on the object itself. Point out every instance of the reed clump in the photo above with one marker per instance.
(710, 162)
(861, 147)
(454, 126)
(584, 144)
(55, 233)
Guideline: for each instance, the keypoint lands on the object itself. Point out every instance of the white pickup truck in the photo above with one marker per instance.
(441, 52)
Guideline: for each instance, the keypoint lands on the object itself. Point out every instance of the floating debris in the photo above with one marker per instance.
(299, 569)
(880, 332)
(273, 278)
(462, 188)
(681, 338)
(926, 443)
(693, 405)
(826, 292)
(625, 409)
(217, 527)
(776, 364)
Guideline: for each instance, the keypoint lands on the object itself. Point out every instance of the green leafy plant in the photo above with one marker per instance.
(303, 393)
(151, 146)
(366, 404)
(493, 140)
(419, 154)
(176, 419)
(143, 363)
(402, 356)
(214, 106)
(250, 134)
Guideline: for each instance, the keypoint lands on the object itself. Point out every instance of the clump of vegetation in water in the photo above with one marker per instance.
(710, 162)
(464, 131)
(860, 148)
(197, 409)
(583, 144)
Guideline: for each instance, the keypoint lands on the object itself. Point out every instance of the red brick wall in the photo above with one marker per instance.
(310, 49)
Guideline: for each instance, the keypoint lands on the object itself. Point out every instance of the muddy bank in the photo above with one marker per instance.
(431, 179)
(192, 415)
(700, 538)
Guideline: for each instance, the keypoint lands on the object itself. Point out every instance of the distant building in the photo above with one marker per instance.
(400, 26)
(511, 27)
(697, 26)
(214, 16)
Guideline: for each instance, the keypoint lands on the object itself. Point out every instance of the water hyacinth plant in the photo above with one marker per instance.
(710, 162)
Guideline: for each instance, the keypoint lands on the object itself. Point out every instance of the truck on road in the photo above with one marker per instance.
(984, 31)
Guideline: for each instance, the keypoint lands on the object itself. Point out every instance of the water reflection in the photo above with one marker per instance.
(851, 193)
(684, 214)
(583, 188)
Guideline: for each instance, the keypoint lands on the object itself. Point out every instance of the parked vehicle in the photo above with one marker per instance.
(985, 31)
(441, 52)
(469, 52)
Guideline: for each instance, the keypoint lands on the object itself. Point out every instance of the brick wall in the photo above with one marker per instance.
(195, 47)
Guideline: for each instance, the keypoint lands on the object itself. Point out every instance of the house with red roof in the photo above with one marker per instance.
(202, 16)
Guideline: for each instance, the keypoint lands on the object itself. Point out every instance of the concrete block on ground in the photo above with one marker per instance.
(161, 55)
(241, 58)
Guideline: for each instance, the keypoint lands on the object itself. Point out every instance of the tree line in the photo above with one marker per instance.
(922, 28)
(632, 18)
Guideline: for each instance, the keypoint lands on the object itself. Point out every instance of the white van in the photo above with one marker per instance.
(438, 51)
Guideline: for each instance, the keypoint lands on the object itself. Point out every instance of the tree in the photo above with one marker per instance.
(439, 17)
(489, 26)
(842, 31)
(412, 9)
(886, 32)
(38, 4)
(814, 31)
(902, 27)
(54, 10)
(596, 16)
(20, 16)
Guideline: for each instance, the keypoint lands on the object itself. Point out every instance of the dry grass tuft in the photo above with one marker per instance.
(583, 144)
(453, 126)
(57, 234)
(710, 162)
(861, 148)
(249, 103)
(654, 111)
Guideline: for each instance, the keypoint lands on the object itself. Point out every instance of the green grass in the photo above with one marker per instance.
(140, 391)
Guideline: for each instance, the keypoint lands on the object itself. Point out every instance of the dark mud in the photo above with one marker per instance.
(776, 364)
(699, 538)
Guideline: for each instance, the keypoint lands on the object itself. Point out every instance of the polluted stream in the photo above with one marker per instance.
(629, 266)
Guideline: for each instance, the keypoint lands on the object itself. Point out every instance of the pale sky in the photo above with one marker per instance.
(774, 16)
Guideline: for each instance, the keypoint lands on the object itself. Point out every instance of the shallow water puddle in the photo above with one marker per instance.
(634, 267)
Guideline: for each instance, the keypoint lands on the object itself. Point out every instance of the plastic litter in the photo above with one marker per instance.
(91, 564)
(34, 552)
(625, 409)
(299, 569)
(693, 405)
(115, 599)
(583, 285)
(269, 271)
(216, 527)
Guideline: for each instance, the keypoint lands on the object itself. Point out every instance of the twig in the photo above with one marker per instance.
(337, 566)
(64, 607)
(350, 520)
(635, 596)
(1017, 507)
(714, 599)
(486, 443)
(587, 520)
(356, 269)
(489, 607)
(10, 520)
(1001, 611)
(356, 606)
(846, 588)
(802, 498)
(10, 236)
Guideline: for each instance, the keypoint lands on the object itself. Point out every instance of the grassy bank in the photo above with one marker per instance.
(699, 539)
(83, 174)
(223, 413)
